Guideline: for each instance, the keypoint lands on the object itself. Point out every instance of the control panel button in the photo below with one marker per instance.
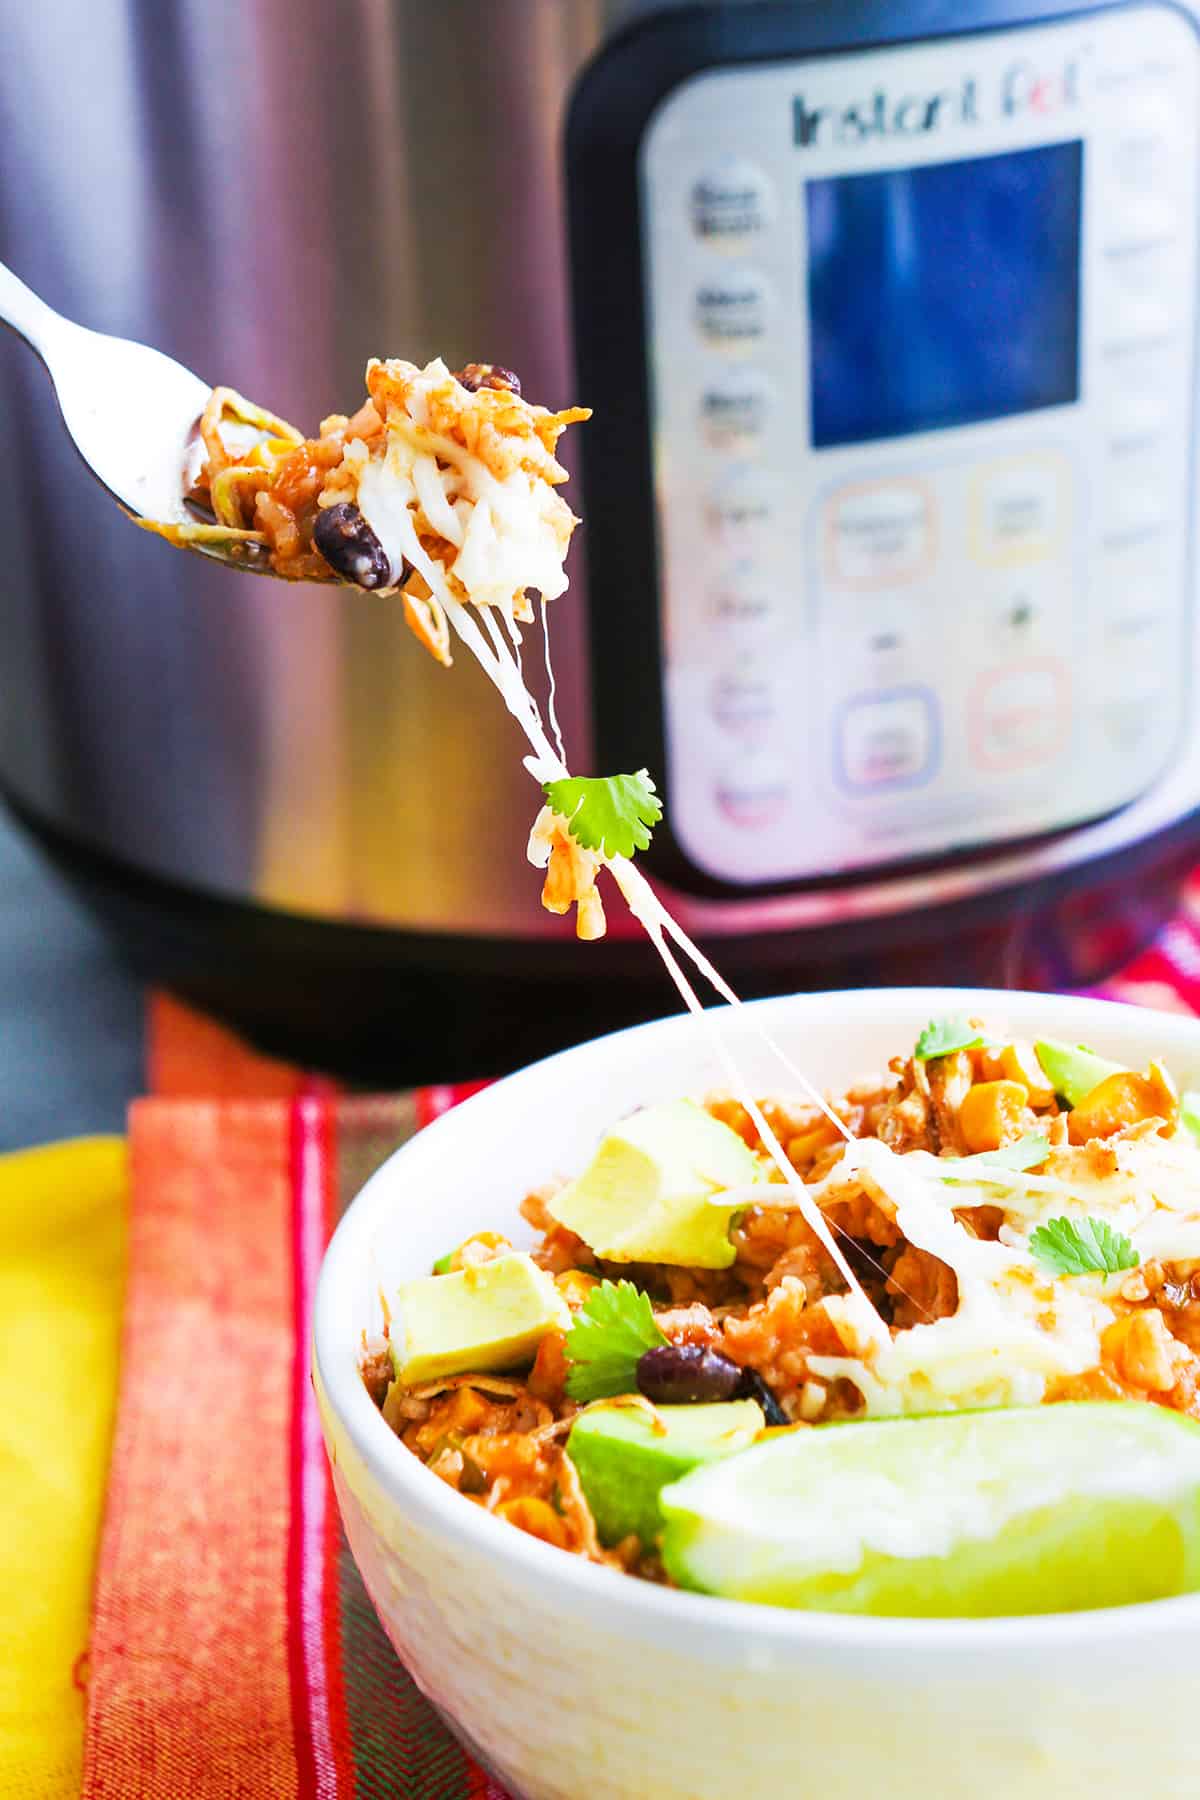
(1136, 501)
(747, 700)
(1137, 214)
(731, 308)
(747, 606)
(756, 791)
(1142, 403)
(879, 533)
(733, 409)
(1144, 264)
(886, 740)
(1142, 320)
(1139, 487)
(878, 649)
(1020, 716)
(731, 203)
(1018, 509)
(1126, 447)
(1129, 80)
(1148, 144)
(1137, 582)
(743, 510)
(1140, 346)
(1134, 657)
(1141, 159)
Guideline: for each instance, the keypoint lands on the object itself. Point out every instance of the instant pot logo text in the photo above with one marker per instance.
(1023, 89)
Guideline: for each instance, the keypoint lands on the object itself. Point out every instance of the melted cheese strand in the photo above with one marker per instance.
(514, 634)
(384, 505)
(552, 708)
(543, 765)
(502, 651)
(488, 615)
(651, 904)
(634, 894)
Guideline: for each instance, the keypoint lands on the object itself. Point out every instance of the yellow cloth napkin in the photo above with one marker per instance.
(62, 1270)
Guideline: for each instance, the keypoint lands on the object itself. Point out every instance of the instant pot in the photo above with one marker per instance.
(887, 309)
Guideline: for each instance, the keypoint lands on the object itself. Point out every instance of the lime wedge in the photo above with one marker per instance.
(973, 1515)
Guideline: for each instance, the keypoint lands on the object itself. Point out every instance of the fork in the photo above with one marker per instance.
(130, 410)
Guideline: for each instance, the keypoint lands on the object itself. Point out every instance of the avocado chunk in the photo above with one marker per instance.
(1073, 1071)
(647, 1195)
(489, 1317)
(626, 1453)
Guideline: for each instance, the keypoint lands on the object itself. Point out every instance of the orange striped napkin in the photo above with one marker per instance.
(234, 1650)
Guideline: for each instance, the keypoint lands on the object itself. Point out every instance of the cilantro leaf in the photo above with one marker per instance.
(609, 813)
(943, 1036)
(1026, 1153)
(1082, 1247)
(607, 1336)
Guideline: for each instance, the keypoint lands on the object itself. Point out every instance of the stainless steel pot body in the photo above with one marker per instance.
(272, 194)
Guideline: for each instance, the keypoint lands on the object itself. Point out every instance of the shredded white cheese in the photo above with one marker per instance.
(1018, 1326)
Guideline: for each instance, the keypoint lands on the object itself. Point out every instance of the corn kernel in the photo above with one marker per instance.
(1017, 1062)
(1138, 1349)
(806, 1144)
(1124, 1099)
(991, 1114)
(537, 1517)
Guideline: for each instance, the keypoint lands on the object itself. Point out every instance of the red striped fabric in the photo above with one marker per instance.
(324, 1763)
(234, 1648)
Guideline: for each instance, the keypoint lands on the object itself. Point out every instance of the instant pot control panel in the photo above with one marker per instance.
(919, 333)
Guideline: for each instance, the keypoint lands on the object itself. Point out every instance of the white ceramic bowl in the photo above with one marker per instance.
(568, 1680)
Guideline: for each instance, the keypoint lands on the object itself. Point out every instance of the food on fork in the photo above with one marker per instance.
(440, 490)
(439, 483)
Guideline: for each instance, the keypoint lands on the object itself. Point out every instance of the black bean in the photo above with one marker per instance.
(474, 376)
(678, 1374)
(350, 547)
(751, 1386)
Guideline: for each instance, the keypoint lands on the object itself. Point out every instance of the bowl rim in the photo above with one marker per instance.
(628, 1603)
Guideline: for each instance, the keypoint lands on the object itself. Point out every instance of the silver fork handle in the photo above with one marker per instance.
(25, 313)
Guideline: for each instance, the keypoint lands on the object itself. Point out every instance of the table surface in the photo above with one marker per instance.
(71, 1016)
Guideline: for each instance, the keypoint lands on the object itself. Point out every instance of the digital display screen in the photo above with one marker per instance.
(944, 294)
